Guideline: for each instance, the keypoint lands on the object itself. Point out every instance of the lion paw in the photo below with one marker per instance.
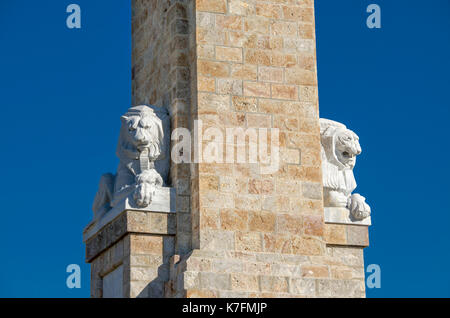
(358, 207)
(143, 195)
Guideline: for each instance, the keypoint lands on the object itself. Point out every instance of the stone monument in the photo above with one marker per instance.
(228, 229)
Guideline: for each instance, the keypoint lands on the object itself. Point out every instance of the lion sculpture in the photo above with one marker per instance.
(141, 147)
(340, 147)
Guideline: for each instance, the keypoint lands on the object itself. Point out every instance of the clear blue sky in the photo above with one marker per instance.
(62, 92)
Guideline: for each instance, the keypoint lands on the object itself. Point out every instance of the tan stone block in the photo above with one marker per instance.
(270, 74)
(143, 244)
(240, 7)
(340, 288)
(229, 54)
(232, 219)
(313, 225)
(306, 31)
(308, 94)
(198, 264)
(302, 286)
(315, 271)
(244, 282)
(153, 261)
(268, 10)
(290, 224)
(335, 234)
(227, 265)
(261, 221)
(208, 182)
(213, 168)
(235, 38)
(205, 51)
(358, 235)
(286, 186)
(271, 106)
(259, 120)
(219, 6)
(283, 60)
(209, 218)
(307, 62)
(255, 24)
(258, 57)
(312, 190)
(206, 84)
(351, 256)
(244, 71)
(217, 240)
(260, 186)
(299, 76)
(212, 103)
(205, 20)
(229, 22)
(213, 68)
(248, 241)
(311, 174)
(257, 268)
(284, 122)
(290, 155)
(256, 89)
(229, 86)
(309, 126)
(215, 281)
(201, 293)
(245, 104)
(248, 202)
(273, 284)
(298, 13)
(278, 243)
(215, 199)
(347, 272)
(210, 36)
(280, 91)
(307, 246)
(306, 207)
(284, 28)
(143, 273)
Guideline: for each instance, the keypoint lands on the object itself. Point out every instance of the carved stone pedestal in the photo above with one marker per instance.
(129, 250)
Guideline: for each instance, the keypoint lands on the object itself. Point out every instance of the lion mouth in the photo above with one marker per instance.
(347, 155)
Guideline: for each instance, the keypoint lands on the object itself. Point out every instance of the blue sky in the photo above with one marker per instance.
(62, 92)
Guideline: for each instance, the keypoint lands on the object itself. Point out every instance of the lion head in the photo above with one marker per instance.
(340, 145)
(141, 129)
(347, 147)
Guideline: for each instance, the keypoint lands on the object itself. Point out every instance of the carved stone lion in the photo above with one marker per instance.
(141, 144)
(340, 146)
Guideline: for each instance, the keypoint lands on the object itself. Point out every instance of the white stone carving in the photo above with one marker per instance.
(340, 146)
(143, 152)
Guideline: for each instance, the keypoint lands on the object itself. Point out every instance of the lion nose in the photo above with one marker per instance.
(140, 136)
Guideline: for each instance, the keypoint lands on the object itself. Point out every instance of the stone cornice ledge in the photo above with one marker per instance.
(334, 215)
(163, 202)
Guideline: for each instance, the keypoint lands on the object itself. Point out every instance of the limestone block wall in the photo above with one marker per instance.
(241, 233)
(161, 77)
(130, 256)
